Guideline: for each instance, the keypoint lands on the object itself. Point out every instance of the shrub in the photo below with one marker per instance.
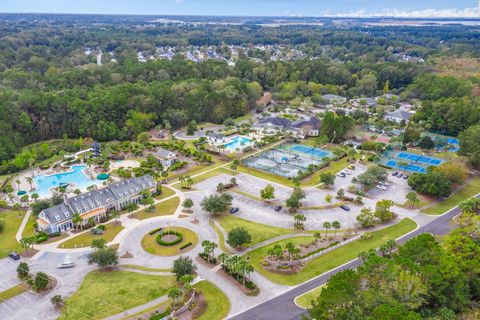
(155, 231)
(169, 243)
(185, 246)
(102, 227)
(2, 225)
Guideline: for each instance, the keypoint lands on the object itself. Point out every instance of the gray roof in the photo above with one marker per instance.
(216, 135)
(313, 121)
(369, 101)
(162, 153)
(58, 214)
(399, 114)
(333, 97)
(275, 121)
(98, 198)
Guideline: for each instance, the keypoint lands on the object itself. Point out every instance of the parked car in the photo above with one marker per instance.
(395, 174)
(381, 187)
(345, 208)
(13, 255)
(234, 210)
(348, 172)
(278, 208)
(341, 174)
(405, 176)
(351, 167)
(67, 263)
(384, 183)
(400, 175)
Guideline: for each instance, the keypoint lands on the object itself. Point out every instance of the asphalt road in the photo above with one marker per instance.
(283, 307)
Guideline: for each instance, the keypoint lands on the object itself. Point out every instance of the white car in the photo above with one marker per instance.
(347, 172)
(384, 183)
(381, 187)
(67, 263)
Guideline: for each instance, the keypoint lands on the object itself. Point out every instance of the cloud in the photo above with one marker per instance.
(428, 13)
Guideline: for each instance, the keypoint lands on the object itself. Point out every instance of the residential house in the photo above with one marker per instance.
(273, 124)
(216, 138)
(302, 128)
(165, 157)
(398, 116)
(308, 127)
(94, 204)
(364, 102)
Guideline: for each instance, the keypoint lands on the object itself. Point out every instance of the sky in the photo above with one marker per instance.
(352, 8)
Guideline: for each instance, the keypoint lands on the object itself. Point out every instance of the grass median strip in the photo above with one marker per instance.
(305, 300)
(142, 268)
(12, 292)
(164, 208)
(259, 232)
(13, 220)
(332, 259)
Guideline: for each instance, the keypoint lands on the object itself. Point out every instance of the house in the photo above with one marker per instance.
(216, 138)
(96, 149)
(273, 124)
(398, 116)
(94, 204)
(334, 99)
(308, 127)
(165, 157)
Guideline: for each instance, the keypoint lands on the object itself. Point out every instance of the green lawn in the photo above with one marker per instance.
(150, 244)
(29, 229)
(164, 208)
(8, 242)
(166, 192)
(85, 239)
(217, 302)
(12, 292)
(103, 294)
(305, 300)
(221, 237)
(205, 176)
(259, 232)
(334, 167)
(265, 175)
(246, 194)
(248, 116)
(469, 190)
(333, 258)
(142, 268)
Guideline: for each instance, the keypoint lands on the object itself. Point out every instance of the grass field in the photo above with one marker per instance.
(8, 242)
(305, 300)
(265, 175)
(12, 292)
(85, 239)
(333, 258)
(29, 229)
(259, 232)
(164, 208)
(103, 294)
(221, 237)
(469, 190)
(166, 192)
(217, 302)
(205, 176)
(150, 244)
(142, 268)
(334, 167)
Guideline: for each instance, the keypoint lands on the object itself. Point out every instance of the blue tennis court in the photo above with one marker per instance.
(410, 167)
(311, 151)
(416, 158)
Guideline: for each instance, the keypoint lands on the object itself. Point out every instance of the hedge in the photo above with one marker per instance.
(155, 231)
(185, 246)
(169, 243)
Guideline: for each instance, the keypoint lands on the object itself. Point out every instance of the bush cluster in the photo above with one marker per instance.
(169, 243)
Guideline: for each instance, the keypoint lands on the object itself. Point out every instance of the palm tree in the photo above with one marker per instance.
(412, 198)
(30, 181)
(290, 248)
(35, 196)
(326, 225)
(317, 235)
(114, 214)
(336, 225)
(174, 294)
(18, 183)
(76, 220)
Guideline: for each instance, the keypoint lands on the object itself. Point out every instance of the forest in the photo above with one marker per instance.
(50, 89)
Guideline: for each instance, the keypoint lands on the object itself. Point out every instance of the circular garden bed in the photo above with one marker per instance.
(169, 241)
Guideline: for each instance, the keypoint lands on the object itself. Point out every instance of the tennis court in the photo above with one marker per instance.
(309, 151)
(410, 162)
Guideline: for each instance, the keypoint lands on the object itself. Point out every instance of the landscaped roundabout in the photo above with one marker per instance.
(169, 241)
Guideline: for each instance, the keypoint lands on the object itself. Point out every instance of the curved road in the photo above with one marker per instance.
(283, 306)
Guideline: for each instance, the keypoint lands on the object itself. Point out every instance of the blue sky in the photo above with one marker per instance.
(428, 8)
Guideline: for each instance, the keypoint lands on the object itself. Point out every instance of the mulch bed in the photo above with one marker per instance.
(205, 263)
(288, 271)
(233, 281)
(30, 253)
(126, 255)
(199, 308)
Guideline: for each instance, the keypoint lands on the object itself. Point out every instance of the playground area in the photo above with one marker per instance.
(409, 161)
(288, 160)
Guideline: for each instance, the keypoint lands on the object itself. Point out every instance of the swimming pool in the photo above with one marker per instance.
(237, 143)
(309, 151)
(75, 176)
